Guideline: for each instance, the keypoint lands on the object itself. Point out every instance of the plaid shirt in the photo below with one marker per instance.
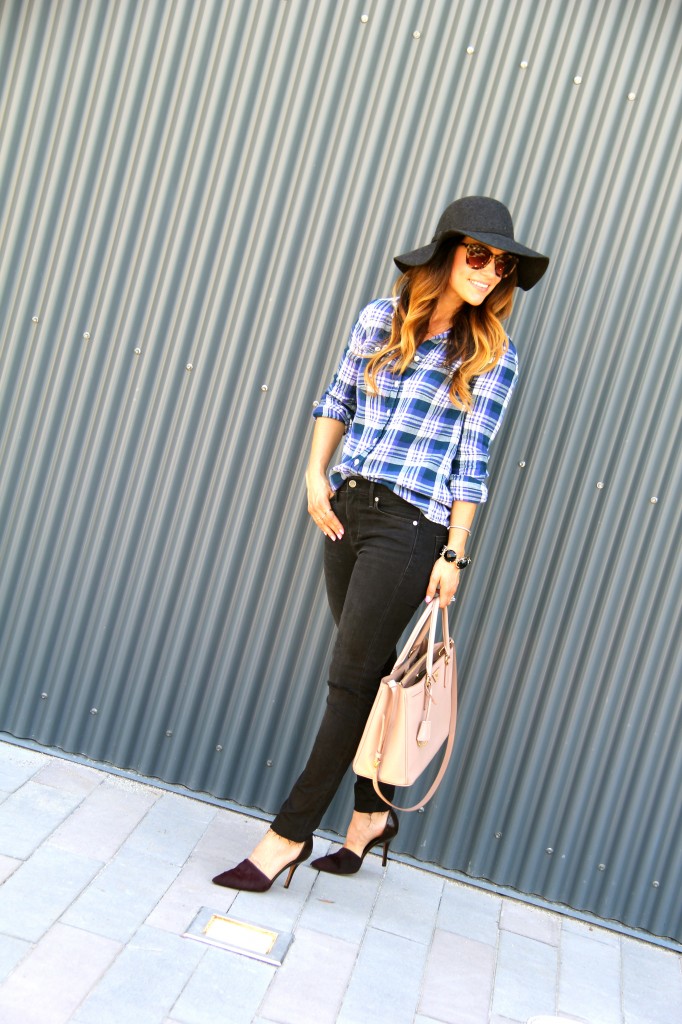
(410, 436)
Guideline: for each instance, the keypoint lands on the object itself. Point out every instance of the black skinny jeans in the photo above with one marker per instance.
(376, 579)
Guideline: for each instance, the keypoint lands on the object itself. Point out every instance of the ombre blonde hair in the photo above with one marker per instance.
(477, 337)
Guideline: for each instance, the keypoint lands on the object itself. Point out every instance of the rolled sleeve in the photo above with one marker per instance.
(492, 393)
(339, 401)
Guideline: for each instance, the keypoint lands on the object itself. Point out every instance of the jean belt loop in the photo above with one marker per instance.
(370, 494)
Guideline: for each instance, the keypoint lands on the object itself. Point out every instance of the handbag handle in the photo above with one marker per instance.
(427, 620)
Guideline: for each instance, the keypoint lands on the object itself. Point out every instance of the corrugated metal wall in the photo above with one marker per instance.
(196, 198)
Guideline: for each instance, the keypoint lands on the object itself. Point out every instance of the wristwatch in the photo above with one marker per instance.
(451, 556)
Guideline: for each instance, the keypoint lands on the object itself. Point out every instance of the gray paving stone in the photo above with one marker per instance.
(496, 1019)
(408, 903)
(18, 765)
(144, 982)
(191, 890)
(122, 896)
(279, 908)
(421, 1019)
(531, 922)
(55, 977)
(39, 892)
(172, 828)
(224, 987)
(384, 987)
(458, 981)
(229, 838)
(8, 865)
(29, 815)
(103, 821)
(319, 966)
(526, 977)
(340, 906)
(69, 776)
(469, 912)
(590, 931)
(652, 984)
(11, 952)
(589, 979)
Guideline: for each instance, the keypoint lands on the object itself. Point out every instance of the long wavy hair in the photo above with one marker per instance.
(477, 338)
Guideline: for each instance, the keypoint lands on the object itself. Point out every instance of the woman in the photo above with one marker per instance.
(419, 394)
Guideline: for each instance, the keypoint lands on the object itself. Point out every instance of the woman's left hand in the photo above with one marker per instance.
(444, 580)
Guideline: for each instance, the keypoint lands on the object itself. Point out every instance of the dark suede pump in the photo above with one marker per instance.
(345, 862)
(248, 878)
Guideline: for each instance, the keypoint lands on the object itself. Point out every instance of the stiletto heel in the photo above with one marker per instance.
(246, 877)
(345, 862)
(290, 875)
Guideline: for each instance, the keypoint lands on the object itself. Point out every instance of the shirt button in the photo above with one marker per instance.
(356, 461)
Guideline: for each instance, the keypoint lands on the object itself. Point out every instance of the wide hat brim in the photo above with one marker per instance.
(487, 221)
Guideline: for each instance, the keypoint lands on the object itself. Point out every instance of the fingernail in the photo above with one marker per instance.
(427, 600)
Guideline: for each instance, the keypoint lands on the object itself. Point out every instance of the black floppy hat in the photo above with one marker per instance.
(488, 221)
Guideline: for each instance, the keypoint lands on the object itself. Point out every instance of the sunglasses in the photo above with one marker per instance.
(478, 257)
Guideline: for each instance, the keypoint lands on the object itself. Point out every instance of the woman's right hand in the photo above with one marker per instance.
(320, 493)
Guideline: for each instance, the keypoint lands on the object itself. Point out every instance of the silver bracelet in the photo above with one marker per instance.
(468, 532)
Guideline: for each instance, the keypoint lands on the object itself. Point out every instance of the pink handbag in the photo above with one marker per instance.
(414, 712)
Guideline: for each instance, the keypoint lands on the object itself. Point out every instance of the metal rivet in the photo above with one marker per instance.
(364, 18)
(420, 811)
(600, 485)
(632, 96)
(470, 49)
(498, 835)
(523, 64)
(93, 711)
(655, 884)
(550, 850)
(269, 764)
(415, 522)
(137, 351)
(43, 696)
(169, 733)
(577, 80)
(654, 501)
(35, 319)
(416, 34)
(87, 335)
(522, 464)
(189, 366)
(601, 867)
(264, 387)
(219, 747)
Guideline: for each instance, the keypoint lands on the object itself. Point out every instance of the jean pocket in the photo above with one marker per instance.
(390, 505)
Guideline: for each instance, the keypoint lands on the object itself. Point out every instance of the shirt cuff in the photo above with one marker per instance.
(332, 410)
(468, 489)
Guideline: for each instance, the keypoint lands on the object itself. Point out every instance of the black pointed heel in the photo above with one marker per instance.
(246, 877)
(345, 862)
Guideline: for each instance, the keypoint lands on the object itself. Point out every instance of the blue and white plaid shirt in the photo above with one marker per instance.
(410, 436)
